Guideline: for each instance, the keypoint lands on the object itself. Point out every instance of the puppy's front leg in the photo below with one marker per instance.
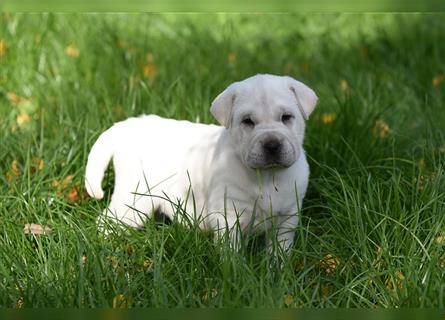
(228, 227)
(128, 208)
(285, 233)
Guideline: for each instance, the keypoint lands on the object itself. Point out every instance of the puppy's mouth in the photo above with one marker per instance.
(274, 166)
(269, 166)
(260, 161)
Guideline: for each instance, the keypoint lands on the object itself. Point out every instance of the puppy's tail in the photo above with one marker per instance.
(98, 159)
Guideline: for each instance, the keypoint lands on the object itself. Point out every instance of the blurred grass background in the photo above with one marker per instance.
(372, 231)
(247, 6)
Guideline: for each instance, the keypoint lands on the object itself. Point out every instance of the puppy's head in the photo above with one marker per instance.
(265, 115)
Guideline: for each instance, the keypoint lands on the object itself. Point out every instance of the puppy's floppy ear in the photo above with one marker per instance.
(305, 97)
(222, 106)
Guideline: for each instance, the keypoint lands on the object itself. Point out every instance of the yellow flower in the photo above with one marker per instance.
(114, 262)
(147, 264)
(72, 51)
(25, 105)
(442, 260)
(66, 188)
(15, 167)
(120, 301)
(19, 304)
(64, 184)
(325, 290)
(329, 264)
(67, 180)
(440, 239)
(381, 129)
(150, 70)
(13, 98)
(14, 171)
(327, 118)
(38, 162)
(437, 80)
(3, 48)
(23, 118)
(392, 283)
(344, 86)
(231, 57)
(289, 300)
(73, 195)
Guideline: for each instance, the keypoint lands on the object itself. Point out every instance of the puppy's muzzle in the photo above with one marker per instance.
(271, 150)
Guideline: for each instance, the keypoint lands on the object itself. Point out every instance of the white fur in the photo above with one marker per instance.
(220, 175)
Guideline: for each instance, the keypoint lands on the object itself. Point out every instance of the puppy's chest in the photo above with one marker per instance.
(274, 197)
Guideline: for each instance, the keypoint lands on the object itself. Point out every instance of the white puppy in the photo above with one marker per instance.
(252, 170)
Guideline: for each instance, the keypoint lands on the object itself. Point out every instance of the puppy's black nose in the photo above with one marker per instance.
(272, 146)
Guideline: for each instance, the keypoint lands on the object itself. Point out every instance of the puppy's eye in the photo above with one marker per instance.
(248, 122)
(286, 117)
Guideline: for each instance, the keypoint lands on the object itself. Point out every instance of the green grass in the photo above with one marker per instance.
(375, 204)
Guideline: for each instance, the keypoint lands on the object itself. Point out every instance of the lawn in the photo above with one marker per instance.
(372, 231)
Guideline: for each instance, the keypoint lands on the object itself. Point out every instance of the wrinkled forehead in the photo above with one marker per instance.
(264, 96)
